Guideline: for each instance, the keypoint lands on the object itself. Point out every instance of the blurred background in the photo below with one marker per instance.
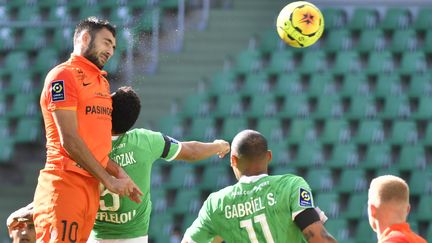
(355, 105)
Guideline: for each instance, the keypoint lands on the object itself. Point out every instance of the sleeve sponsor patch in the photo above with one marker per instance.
(57, 90)
(305, 198)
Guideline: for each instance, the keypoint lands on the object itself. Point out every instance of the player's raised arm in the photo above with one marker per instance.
(193, 150)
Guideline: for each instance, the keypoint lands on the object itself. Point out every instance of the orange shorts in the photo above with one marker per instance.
(65, 206)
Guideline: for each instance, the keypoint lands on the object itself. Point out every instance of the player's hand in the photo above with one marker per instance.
(124, 186)
(224, 147)
(24, 214)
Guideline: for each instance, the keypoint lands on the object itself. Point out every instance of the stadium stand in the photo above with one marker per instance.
(355, 105)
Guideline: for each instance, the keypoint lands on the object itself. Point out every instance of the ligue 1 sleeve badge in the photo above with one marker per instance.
(57, 90)
(305, 199)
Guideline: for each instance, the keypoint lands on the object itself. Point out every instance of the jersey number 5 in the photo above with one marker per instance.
(262, 220)
(115, 201)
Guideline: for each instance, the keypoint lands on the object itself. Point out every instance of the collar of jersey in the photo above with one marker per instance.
(250, 179)
(113, 138)
(87, 64)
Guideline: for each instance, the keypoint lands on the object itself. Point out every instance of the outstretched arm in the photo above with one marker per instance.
(193, 150)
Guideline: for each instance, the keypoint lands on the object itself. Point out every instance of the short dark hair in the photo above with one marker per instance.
(126, 108)
(93, 25)
(250, 144)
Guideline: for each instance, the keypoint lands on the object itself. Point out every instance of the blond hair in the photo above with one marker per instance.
(389, 188)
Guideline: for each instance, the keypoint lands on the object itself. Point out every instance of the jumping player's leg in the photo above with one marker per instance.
(65, 206)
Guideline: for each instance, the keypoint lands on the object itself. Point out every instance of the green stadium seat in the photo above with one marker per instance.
(357, 207)
(195, 105)
(85, 12)
(283, 169)
(120, 14)
(420, 85)
(428, 135)
(222, 82)
(403, 41)
(46, 59)
(320, 180)
(320, 84)
(28, 13)
(403, 132)
(23, 105)
(147, 22)
(157, 175)
(32, 39)
(169, 4)
(338, 228)
(370, 41)
(334, 17)
(281, 155)
(300, 131)
(429, 232)
(28, 130)
(158, 198)
(20, 83)
(171, 126)
(361, 107)
(247, 61)
(354, 84)
(328, 107)
(7, 38)
(335, 131)
(352, 180)
(396, 18)
(215, 177)
(16, 61)
(412, 157)
(254, 84)
(160, 226)
(328, 202)
(420, 182)
(187, 201)
(202, 129)
(269, 42)
(377, 156)
(281, 62)
(423, 19)
(338, 40)
(364, 232)
(395, 107)
(294, 106)
(232, 126)
(313, 61)
(181, 176)
(387, 85)
(261, 106)
(271, 128)
(413, 63)
(343, 156)
(363, 19)
(6, 151)
(387, 171)
(424, 109)
(59, 13)
(62, 39)
(379, 62)
(5, 129)
(3, 105)
(287, 85)
(308, 155)
(227, 105)
(346, 62)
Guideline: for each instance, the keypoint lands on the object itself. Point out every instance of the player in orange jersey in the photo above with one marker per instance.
(388, 208)
(76, 107)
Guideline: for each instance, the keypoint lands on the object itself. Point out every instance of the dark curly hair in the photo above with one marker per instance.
(126, 108)
(93, 25)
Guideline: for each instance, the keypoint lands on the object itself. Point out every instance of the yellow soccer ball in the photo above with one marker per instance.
(300, 24)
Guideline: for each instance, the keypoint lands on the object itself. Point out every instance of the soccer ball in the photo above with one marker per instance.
(300, 24)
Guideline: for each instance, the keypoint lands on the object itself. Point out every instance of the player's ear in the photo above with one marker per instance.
(269, 156)
(86, 38)
(233, 160)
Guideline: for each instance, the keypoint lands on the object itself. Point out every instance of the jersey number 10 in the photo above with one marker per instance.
(262, 220)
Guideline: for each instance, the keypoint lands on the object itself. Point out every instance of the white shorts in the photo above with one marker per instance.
(142, 239)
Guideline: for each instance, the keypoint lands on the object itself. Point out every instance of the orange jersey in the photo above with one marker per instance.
(78, 85)
(400, 233)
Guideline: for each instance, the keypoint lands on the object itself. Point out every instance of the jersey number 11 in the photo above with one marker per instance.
(262, 220)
